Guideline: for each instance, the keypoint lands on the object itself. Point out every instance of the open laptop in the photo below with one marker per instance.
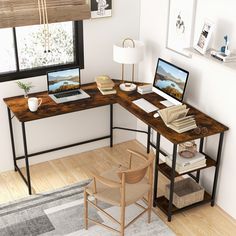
(64, 85)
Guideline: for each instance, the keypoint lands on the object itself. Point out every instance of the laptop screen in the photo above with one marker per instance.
(63, 80)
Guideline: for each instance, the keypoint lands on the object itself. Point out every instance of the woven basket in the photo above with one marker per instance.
(186, 192)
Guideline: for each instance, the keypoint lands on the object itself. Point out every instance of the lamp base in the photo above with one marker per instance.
(128, 87)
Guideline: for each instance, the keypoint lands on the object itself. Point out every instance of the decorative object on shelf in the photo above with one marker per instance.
(43, 19)
(188, 149)
(225, 49)
(130, 52)
(184, 165)
(203, 40)
(186, 192)
(180, 25)
(223, 57)
(25, 86)
(101, 8)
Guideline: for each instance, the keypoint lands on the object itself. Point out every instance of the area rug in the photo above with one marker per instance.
(61, 213)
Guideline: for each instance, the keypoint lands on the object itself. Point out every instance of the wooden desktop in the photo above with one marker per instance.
(19, 108)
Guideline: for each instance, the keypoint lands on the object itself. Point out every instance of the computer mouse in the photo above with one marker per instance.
(156, 115)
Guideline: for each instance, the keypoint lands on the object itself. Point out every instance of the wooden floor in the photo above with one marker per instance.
(203, 220)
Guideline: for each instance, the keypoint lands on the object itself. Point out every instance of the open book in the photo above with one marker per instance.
(176, 118)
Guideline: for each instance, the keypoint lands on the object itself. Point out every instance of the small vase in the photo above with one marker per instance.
(26, 95)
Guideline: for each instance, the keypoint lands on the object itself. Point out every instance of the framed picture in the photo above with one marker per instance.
(205, 35)
(100, 8)
(180, 25)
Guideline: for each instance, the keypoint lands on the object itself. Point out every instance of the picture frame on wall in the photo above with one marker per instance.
(203, 40)
(101, 8)
(181, 21)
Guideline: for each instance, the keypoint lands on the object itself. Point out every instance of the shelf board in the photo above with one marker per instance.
(163, 203)
(166, 170)
(207, 55)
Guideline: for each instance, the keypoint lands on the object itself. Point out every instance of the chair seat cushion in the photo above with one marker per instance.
(133, 192)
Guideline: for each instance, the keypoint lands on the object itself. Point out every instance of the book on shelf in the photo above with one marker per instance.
(192, 167)
(223, 57)
(182, 161)
(104, 82)
(176, 118)
(107, 91)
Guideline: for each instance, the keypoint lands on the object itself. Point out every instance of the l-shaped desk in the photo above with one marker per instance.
(19, 108)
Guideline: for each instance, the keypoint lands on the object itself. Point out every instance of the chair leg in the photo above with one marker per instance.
(85, 210)
(149, 205)
(122, 220)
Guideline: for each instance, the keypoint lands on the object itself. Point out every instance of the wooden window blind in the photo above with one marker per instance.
(14, 13)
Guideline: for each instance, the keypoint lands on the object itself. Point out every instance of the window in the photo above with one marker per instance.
(25, 55)
(7, 52)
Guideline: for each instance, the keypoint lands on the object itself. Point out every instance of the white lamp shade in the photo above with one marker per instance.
(128, 55)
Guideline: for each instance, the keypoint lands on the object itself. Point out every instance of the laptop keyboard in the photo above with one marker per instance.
(68, 94)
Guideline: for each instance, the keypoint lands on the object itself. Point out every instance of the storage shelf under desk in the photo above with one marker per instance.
(166, 170)
(163, 203)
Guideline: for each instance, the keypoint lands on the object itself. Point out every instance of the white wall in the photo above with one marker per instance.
(99, 37)
(211, 86)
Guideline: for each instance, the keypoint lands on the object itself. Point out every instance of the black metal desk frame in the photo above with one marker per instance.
(169, 213)
(195, 177)
(26, 155)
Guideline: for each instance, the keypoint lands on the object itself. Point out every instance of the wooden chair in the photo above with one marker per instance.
(121, 187)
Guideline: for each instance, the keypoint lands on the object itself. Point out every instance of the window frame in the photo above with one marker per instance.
(78, 60)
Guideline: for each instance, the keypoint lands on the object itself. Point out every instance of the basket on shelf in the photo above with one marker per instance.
(186, 192)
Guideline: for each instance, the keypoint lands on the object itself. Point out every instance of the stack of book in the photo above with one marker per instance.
(176, 118)
(187, 164)
(105, 85)
(223, 57)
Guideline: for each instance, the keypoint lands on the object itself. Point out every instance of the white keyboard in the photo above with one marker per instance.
(145, 105)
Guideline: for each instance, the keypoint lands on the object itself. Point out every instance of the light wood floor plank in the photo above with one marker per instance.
(5, 195)
(200, 221)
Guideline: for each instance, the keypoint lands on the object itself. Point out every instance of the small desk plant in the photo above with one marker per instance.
(25, 86)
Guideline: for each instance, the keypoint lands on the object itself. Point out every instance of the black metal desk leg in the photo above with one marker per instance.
(172, 182)
(26, 158)
(156, 169)
(217, 168)
(12, 138)
(148, 139)
(200, 150)
(111, 125)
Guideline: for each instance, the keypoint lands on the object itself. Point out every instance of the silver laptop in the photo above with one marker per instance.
(64, 85)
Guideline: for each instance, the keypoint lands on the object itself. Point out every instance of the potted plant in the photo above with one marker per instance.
(25, 86)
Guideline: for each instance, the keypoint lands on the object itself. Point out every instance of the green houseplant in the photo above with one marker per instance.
(25, 86)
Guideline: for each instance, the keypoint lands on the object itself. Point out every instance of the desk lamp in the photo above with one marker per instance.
(129, 52)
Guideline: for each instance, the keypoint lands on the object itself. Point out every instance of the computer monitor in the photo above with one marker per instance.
(170, 82)
(63, 80)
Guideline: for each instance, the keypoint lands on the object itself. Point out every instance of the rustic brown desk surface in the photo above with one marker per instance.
(18, 106)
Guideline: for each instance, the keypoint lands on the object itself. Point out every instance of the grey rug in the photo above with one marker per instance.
(61, 213)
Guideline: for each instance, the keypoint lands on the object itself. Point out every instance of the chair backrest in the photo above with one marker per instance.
(133, 176)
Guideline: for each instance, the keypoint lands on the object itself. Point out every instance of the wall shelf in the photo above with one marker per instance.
(207, 55)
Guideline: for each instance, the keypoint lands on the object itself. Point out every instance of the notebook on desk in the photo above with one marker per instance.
(64, 85)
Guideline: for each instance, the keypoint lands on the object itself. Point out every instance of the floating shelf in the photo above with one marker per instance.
(207, 55)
